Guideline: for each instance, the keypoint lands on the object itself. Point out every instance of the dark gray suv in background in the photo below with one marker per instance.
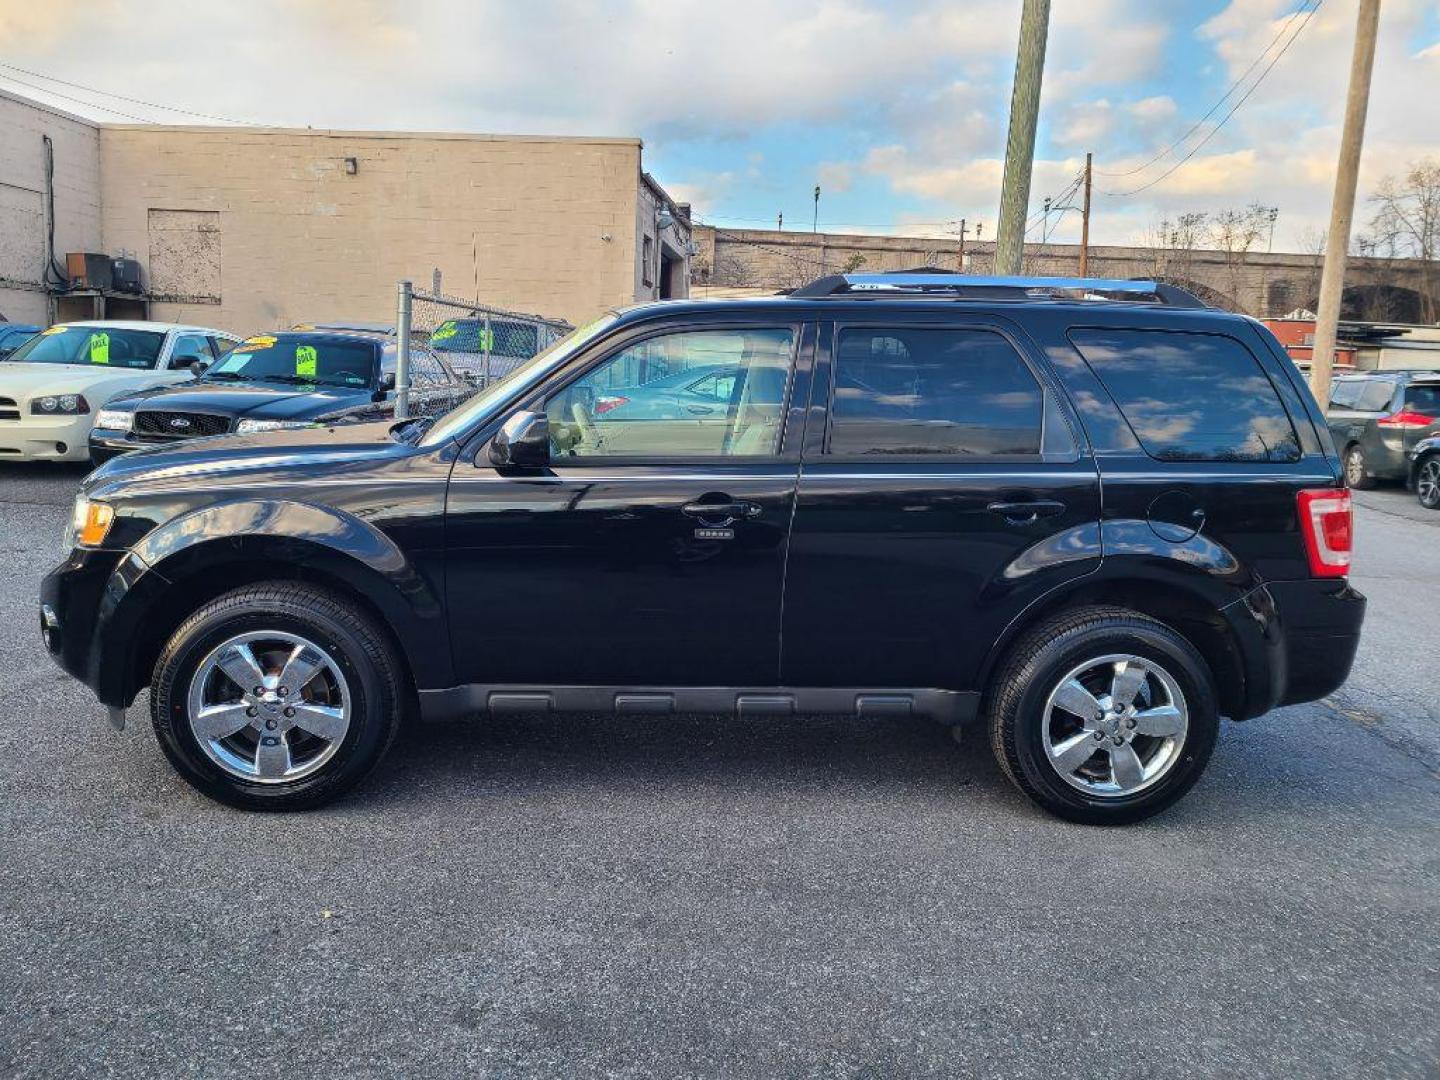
(1377, 419)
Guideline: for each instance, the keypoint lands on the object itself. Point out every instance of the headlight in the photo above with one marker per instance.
(89, 523)
(59, 405)
(249, 427)
(114, 419)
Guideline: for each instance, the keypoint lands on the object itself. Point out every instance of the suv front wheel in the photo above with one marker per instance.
(1427, 482)
(276, 697)
(1103, 716)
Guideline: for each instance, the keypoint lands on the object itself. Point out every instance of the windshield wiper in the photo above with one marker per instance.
(218, 376)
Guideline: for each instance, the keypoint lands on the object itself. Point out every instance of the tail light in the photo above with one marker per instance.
(605, 404)
(1328, 524)
(1405, 420)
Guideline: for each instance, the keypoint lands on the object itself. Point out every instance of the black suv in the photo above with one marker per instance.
(280, 380)
(1378, 418)
(1092, 516)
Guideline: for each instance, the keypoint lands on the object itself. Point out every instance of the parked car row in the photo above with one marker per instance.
(92, 390)
(1386, 427)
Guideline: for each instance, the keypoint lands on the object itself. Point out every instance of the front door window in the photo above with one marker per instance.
(711, 393)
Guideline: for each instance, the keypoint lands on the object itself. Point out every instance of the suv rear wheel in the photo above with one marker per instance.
(1103, 716)
(1355, 475)
(276, 697)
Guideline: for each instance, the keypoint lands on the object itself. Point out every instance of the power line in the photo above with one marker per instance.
(78, 101)
(110, 94)
(1211, 133)
(1223, 97)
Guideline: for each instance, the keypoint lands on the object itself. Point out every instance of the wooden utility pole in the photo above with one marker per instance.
(1342, 207)
(1020, 142)
(960, 265)
(1085, 223)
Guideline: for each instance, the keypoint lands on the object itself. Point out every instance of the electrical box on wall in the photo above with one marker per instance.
(125, 272)
(87, 270)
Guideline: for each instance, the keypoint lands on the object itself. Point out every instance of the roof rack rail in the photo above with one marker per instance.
(962, 286)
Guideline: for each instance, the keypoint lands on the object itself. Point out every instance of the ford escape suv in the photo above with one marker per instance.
(1092, 517)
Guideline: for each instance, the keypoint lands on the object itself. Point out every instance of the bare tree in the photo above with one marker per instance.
(1172, 244)
(1407, 221)
(1236, 233)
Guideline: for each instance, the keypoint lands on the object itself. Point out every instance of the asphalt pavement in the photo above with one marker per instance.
(711, 897)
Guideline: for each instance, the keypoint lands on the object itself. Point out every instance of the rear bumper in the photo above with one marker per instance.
(1297, 640)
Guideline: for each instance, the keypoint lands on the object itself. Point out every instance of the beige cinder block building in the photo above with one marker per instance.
(253, 228)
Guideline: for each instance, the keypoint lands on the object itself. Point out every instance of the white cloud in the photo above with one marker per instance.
(919, 91)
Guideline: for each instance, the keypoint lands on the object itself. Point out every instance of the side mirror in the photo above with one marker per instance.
(387, 382)
(524, 442)
(197, 366)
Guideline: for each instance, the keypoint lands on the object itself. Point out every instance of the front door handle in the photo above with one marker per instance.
(1023, 513)
(728, 511)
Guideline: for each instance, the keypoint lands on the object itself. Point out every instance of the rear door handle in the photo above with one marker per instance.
(731, 511)
(1022, 513)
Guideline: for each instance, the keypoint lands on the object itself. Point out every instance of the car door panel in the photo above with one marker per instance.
(613, 571)
(902, 573)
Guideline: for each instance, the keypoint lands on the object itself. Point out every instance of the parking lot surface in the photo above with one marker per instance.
(693, 896)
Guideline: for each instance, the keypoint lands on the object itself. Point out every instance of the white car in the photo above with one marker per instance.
(53, 387)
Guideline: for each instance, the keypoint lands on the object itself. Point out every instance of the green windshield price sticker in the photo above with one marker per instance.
(99, 348)
(445, 330)
(487, 339)
(305, 359)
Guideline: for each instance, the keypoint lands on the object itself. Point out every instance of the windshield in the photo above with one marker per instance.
(523, 376)
(304, 359)
(101, 346)
(502, 338)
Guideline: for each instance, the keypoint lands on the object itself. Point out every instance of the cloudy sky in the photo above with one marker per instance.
(897, 109)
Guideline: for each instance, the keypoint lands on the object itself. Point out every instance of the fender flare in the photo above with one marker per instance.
(328, 545)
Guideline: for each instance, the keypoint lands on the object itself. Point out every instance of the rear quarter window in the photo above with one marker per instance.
(1189, 396)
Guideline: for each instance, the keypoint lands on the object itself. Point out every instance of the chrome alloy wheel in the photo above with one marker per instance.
(1355, 467)
(1115, 725)
(269, 707)
(1427, 484)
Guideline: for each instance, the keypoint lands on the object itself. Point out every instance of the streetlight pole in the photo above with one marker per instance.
(1020, 142)
(1342, 207)
(815, 225)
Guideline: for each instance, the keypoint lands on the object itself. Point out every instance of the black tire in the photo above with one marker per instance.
(1015, 708)
(359, 648)
(1355, 475)
(1427, 482)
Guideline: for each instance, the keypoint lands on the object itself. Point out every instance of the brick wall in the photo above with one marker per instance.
(23, 124)
(297, 238)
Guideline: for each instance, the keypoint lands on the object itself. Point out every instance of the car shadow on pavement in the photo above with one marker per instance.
(1278, 771)
(454, 761)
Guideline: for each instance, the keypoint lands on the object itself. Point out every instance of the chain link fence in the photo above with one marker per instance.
(481, 343)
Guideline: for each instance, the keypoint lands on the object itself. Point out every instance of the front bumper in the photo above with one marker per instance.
(46, 438)
(91, 608)
(107, 443)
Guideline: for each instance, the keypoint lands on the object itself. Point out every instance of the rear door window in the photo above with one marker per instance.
(1423, 398)
(928, 391)
(1376, 396)
(1191, 397)
(1343, 395)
